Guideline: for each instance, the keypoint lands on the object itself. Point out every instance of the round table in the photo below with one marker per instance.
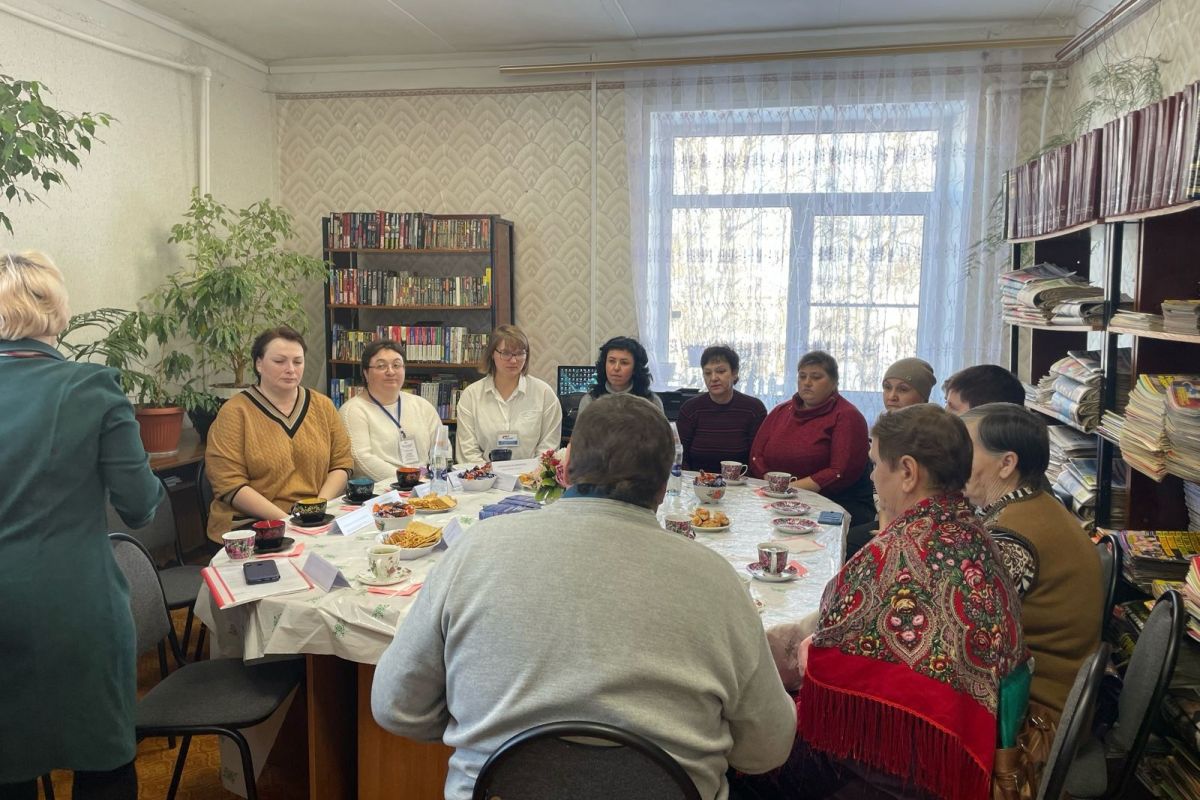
(345, 631)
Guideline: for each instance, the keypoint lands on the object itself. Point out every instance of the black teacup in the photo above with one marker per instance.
(361, 488)
(500, 454)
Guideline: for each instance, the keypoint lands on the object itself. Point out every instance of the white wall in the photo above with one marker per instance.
(108, 228)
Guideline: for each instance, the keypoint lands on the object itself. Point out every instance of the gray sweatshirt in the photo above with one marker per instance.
(586, 610)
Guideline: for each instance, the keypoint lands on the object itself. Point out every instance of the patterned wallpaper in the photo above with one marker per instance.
(525, 155)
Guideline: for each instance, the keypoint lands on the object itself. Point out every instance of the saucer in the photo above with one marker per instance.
(347, 501)
(399, 487)
(367, 579)
(737, 482)
(790, 508)
(781, 495)
(795, 525)
(756, 571)
(701, 529)
(284, 544)
(299, 523)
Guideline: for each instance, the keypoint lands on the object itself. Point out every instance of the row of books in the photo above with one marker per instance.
(1034, 295)
(441, 392)
(1144, 160)
(387, 288)
(1145, 440)
(1058, 189)
(1149, 156)
(406, 230)
(447, 344)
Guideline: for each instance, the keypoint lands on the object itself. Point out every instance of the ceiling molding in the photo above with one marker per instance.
(183, 31)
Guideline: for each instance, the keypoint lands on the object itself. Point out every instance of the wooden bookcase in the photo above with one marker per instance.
(492, 254)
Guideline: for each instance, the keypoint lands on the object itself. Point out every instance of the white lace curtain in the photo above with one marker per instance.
(787, 207)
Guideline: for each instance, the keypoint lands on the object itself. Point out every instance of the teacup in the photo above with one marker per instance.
(773, 557)
(268, 533)
(360, 488)
(733, 470)
(239, 544)
(500, 454)
(383, 561)
(408, 477)
(310, 509)
(679, 523)
(778, 482)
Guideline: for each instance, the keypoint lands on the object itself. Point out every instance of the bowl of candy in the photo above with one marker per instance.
(478, 479)
(391, 516)
(709, 487)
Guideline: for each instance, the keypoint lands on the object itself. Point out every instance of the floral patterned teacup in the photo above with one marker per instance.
(238, 544)
(679, 523)
(773, 556)
(383, 561)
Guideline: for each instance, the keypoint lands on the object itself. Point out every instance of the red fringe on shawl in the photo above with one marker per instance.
(890, 718)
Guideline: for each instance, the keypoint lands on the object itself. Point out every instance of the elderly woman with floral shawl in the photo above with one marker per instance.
(901, 678)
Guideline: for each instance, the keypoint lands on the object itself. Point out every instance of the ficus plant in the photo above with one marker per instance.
(36, 139)
(241, 281)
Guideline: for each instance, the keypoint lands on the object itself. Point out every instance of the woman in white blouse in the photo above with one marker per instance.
(507, 409)
(388, 427)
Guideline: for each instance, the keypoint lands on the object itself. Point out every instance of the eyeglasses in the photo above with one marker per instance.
(393, 366)
(513, 356)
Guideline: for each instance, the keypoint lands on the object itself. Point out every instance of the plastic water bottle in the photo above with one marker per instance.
(675, 482)
(439, 462)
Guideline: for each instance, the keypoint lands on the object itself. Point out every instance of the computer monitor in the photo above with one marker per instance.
(576, 380)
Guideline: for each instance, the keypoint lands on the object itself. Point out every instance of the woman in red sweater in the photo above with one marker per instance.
(820, 438)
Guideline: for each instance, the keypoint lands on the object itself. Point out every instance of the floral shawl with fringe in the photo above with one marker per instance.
(914, 636)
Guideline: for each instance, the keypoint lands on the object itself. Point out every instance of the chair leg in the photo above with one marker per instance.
(187, 628)
(199, 642)
(178, 773)
(47, 787)
(247, 762)
(162, 660)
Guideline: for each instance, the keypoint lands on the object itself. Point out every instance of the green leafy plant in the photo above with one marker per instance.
(119, 338)
(35, 138)
(241, 281)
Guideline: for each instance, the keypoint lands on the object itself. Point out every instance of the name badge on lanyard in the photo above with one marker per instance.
(408, 451)
(408, 448)
(508, 439)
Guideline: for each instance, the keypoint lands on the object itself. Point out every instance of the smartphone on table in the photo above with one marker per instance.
(260, 572)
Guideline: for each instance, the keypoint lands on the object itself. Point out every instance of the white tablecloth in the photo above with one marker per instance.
(357, 625)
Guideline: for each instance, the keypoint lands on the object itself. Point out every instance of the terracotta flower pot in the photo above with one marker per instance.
(161, 429)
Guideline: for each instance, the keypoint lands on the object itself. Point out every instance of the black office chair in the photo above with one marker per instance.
(582, 761)
(1110, 573)
(204, 492)
(570, 412)
(1146, 680)
(220, 696)
(1073, 725)
(181, 582)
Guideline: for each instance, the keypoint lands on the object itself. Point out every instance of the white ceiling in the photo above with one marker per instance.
(286, 30)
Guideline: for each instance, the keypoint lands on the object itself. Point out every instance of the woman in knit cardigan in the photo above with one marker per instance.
(818, 437)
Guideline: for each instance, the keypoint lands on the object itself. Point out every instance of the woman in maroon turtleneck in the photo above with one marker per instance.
(818, 437)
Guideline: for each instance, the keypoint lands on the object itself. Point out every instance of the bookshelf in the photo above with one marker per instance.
(1141, 238)
(436, 283)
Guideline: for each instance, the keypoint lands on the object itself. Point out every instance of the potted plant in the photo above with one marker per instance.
(159, 385)
(35, 138)
(240, 282)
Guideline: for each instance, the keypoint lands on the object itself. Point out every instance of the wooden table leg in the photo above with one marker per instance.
(332, 713)
(393, 766)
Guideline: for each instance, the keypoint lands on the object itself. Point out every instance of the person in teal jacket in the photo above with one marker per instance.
(68, 674)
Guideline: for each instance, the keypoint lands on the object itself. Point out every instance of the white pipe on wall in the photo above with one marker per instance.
(203, 155)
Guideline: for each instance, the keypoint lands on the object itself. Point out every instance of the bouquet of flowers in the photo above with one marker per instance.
(553, 475)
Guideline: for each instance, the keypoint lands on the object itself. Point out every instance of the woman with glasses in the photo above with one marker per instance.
(508, 409)
(388, 427)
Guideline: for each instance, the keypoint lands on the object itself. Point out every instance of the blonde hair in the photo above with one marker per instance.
(33, 297)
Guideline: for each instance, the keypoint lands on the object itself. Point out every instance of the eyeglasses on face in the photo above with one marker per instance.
(512, 355)
(387, 366)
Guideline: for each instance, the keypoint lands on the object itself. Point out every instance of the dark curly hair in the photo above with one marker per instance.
(641, 366)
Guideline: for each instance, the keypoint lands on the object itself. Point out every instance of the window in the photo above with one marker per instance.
(789, 234)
